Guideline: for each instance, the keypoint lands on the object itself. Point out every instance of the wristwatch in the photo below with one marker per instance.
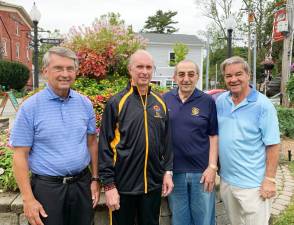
(169, 172)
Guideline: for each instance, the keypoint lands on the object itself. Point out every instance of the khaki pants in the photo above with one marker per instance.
(245, 206)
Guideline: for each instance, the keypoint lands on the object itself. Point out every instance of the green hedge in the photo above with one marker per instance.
(286, 121)
(13, 75)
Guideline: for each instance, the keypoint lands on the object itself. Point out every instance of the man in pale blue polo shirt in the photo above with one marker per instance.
(248, 147)
(54, 136)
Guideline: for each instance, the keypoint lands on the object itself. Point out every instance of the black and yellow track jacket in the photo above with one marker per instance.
(134, 144)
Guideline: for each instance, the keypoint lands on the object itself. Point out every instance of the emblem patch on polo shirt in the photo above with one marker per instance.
(157, 110)
(195, 111)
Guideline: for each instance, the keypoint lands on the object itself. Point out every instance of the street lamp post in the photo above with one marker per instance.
(230, 25)
(35, 16)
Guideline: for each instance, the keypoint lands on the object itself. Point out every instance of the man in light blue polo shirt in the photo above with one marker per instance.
(54, 136)
(248, 147)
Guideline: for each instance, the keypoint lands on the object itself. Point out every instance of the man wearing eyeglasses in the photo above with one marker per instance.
(54, 137)
(194, 128)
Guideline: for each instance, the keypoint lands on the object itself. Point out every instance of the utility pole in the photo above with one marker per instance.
(215, 84)
(254, 60)
(249, 44)
(287, 54)
(249, 9)
(207, 64)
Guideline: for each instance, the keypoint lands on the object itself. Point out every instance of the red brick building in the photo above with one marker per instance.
(15, 27)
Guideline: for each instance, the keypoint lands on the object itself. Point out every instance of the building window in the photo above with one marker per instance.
(155, 82)
(28, 52)
(3, 47)
(17, 28)
(17, 50)
(172, 59)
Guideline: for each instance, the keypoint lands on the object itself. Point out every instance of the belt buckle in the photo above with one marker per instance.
(66, 180)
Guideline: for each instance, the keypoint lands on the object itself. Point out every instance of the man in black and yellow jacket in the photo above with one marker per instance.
(135, 157)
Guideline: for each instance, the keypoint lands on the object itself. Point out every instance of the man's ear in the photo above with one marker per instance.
(44, 72)
(129, 68)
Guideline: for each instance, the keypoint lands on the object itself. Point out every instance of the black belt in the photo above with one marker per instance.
(60, 179)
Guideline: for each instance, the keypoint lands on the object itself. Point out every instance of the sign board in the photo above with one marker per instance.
(280, 19)
(5, 96)
(52, 41)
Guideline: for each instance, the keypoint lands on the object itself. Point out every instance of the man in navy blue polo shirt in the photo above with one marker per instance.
(54, 136)
(194, 139)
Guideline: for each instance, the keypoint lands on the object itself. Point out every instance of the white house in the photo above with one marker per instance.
(161, 48)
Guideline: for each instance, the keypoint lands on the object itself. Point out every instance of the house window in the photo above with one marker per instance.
(17, 28)
(17, 50)
(172, 59)
(170, 84)
(3, 47)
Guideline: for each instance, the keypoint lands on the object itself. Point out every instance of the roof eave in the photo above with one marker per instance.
(23, 13)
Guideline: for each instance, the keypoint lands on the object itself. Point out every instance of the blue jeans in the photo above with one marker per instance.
(189, 204)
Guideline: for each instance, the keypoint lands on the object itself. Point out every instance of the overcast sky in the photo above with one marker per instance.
(63, 14)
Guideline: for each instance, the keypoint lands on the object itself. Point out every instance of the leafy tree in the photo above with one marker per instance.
(161, 22)
(180, 50)
(261, 11)
(103, 49)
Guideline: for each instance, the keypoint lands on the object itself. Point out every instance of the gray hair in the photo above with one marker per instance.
(187, 61)
(61, 51)
(235, 60)
(139, 51)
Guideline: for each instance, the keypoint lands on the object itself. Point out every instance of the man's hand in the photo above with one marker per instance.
(167, 185)
(32, 210)
(267, 189)
(208, 179)
(112, 199)
(95, 191)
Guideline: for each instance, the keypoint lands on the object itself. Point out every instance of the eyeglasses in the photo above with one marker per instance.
(59, 69)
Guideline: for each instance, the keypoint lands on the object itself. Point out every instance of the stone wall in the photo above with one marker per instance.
(11, 211)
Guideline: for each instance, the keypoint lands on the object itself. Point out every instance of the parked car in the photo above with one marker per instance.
(215, 92)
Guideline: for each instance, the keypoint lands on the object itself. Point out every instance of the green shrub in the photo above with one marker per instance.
(286, 121)
(92, 87)
(103, 49)
(13, 75)
(7, 181)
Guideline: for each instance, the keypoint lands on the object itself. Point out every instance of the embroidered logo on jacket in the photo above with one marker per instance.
(195, 111)
(157, 110)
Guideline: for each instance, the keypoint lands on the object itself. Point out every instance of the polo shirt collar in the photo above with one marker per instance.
(52, 95)
(196, 93)
(251, 97)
